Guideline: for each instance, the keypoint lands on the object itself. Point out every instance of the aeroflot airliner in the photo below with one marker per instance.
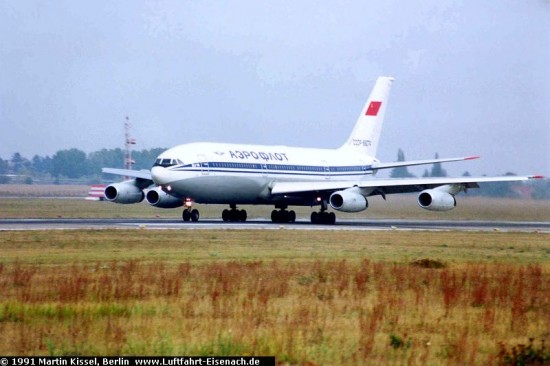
(343, 178)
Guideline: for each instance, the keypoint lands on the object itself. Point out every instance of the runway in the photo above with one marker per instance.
(264, 224)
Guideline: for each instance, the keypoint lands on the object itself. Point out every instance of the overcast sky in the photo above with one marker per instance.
(472, 77)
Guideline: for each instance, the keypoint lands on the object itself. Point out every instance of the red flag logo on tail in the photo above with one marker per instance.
(373, 108)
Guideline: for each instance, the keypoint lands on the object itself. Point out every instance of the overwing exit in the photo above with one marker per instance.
(342, 179)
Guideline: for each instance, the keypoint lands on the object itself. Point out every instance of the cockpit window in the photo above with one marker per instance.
(167, 162)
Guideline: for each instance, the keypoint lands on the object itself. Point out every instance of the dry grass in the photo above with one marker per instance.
(43, 190)
(306, 297)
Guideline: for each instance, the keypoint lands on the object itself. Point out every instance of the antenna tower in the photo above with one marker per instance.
(128, 162)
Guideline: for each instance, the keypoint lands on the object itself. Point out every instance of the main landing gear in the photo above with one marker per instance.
(283, 216)
(234, 215)
(323, 217)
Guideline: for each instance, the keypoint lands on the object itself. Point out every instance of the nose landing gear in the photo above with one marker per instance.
(190, 214)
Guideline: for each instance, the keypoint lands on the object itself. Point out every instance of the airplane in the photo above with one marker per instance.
(282, 176)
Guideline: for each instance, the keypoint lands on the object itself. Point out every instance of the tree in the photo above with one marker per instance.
(69, 163)
(4, 166)
(112, 158)
(146, 158)
(542, 189)
(499, 189)
(402, 171)
(19, 163)
(41, 164)
(437, 170)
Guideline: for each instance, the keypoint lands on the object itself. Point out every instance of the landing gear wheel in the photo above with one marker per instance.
(315, 217)
(234, 215)
(323, 218)
(195, 215)
(283, 216)
(186, 215)
(291, 216)
(331, 218)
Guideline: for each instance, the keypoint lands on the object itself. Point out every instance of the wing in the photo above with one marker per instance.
(390, 186)
(142, 174)
(418, 162)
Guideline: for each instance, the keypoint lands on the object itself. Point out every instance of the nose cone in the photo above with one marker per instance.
(160, 175)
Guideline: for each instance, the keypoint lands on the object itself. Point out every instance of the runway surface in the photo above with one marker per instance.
(264, 224)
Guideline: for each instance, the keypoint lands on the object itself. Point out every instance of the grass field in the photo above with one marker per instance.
(307, 297)
(310, 298)
(402, 206)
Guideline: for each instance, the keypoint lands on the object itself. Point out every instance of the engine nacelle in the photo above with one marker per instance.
(125, 192)
(348, 201)
(158, 198)
(434, 200)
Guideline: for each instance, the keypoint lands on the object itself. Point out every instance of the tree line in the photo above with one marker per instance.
(74, 165)
(71, 164)
(538, 189)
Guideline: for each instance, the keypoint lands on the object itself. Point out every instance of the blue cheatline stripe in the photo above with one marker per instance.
(224, 167)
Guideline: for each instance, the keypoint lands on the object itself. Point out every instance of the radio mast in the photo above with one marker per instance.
(128, 162)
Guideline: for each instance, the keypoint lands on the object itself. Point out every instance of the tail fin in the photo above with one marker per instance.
(366, 133)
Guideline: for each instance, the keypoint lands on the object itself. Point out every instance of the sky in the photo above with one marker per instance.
(471, 77)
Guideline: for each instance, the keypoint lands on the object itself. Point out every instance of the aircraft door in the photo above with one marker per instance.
(326, 169)
(205, 166)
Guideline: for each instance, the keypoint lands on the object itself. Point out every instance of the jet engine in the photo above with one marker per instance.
(435, 200)
(348, 201)
(158, 198)
(125, 192)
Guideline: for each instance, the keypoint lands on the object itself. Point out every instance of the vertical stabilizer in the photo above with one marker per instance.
(366, 133)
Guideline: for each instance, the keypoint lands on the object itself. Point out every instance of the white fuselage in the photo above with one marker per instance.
(245, 174)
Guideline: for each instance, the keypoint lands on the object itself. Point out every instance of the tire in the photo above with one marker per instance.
(242, 215)
(331, 218)
(315, 216)
(186, 215)
(226, 215)
(291, 216)
(195, 215)
(274, 216)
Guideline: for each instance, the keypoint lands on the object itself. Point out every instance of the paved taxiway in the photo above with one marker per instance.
(263, 224)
